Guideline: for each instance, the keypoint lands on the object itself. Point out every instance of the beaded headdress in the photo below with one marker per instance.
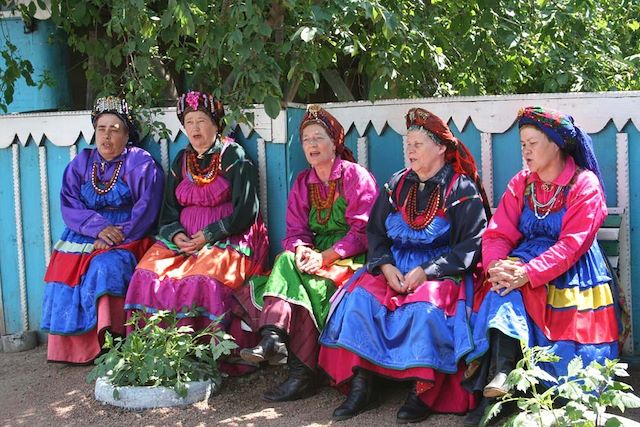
(560, 129)
(318, 115)
(200, 101)
(118, 107)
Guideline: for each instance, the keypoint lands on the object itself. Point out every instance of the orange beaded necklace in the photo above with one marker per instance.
(202, 176)
(323, 204)
(420, 219)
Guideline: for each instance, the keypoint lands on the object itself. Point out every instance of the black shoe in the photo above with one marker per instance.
(272, 348)
(473, 418)
(300, 384)
(360, 398)
(413, 411)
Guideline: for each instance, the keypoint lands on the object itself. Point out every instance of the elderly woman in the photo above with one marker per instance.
(404, 316)
(110, 200)
(548, 284)
(325, 243)
(211, 236)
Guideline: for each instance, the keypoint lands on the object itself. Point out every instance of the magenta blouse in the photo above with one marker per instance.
(358, 187)
(586, 210)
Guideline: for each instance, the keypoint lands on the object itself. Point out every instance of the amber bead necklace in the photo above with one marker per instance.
(323, 204)
(419, 219)
(202, 176)
(101, 187)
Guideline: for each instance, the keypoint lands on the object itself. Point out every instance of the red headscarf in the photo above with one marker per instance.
(319, 116)
(457, 154)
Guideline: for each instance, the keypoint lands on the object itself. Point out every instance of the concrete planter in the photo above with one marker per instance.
(21, 341)
(147, 397)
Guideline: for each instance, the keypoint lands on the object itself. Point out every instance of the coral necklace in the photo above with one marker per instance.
(323, 204)
(103, 187)
(420, 219)
(202, 176)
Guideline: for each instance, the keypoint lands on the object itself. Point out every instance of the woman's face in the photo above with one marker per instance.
(317, 145)
(539, 152)
(111, 136)
(200, 129)
(425, 156)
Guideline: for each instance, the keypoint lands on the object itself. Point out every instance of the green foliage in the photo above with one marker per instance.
(161, 353)
(579, 398)
(276, 51)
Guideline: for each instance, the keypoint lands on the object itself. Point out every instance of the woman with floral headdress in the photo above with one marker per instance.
(211, 236)
(325, 242)
(110, 199)
(404, 315)
(548, 284)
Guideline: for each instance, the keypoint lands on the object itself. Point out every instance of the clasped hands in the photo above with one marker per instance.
(111, 235)
(506, 275)
(400, 283)
(310, 261)
(190, 245)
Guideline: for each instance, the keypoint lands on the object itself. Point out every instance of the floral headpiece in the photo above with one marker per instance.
(557, 126)
(318, 115)
(199, 101)
(560, 129)
(119, 107)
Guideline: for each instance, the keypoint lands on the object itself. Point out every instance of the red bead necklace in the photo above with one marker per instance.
(323, 204)
(205, 175)
(101, 187)
(420, 219)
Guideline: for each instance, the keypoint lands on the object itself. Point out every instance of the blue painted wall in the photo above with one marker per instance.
(46, 52)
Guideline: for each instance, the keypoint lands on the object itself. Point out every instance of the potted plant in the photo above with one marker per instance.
(579, 398)
(160, 363)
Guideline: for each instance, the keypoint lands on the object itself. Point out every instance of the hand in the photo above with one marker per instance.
(111, 235)
(414, 278)
(183, 242)
(394, 277)
(507, 275)
(100, 244)
(308, 260)
(198, 240)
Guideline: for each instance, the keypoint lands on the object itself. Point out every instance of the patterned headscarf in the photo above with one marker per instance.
(118, 107)
(457, 154)
(564, 133)
(319, 116)
(199, 101)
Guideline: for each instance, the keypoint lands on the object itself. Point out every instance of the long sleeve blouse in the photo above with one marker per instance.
(468, 221)
(586, 210)
(357, 186)
(243, 177)
(141, 174)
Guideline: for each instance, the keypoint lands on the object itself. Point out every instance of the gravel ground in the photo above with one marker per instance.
(36, 393)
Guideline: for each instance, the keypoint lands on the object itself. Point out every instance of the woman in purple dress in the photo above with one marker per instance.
(110, 200)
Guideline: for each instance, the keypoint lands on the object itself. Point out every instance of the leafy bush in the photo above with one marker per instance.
(579, 398)
(161, 353)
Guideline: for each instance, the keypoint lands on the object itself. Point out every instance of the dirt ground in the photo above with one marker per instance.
(36, 393)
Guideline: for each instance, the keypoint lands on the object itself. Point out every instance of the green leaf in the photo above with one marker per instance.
(272, 106)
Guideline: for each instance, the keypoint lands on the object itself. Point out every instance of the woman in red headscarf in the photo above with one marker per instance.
(405, 315)
(325, 242)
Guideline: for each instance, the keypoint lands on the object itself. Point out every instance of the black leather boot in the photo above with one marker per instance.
(360, 397)
(505, 352)
(414, 410)
(300, 384)
(272, 347)
(473, 417)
